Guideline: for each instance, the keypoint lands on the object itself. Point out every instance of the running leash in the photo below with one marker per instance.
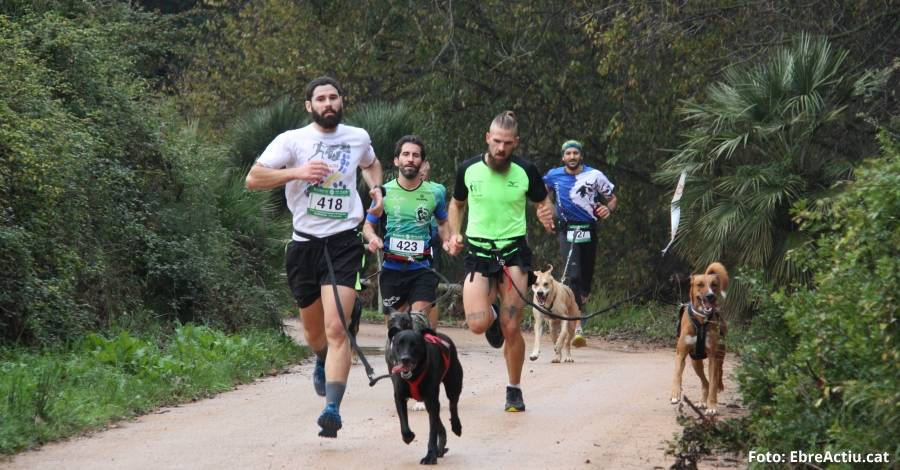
(560, 317)
(370, 372)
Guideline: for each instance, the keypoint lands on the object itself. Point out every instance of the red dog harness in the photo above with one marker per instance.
(444, 347)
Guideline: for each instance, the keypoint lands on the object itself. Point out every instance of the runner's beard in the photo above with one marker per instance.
(409, 172)
(573, 164)
(331, 121)
(497, 164)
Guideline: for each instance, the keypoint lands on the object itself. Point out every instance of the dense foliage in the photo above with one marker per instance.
(823, 370)
(113, 211)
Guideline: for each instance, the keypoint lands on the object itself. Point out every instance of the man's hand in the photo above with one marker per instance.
(602, 211)
(454, 245)
(313, 171)
(375, 244)
(545, 215)
(377, 207)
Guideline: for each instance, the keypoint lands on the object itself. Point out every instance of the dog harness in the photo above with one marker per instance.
(699, 351)
(444, 347)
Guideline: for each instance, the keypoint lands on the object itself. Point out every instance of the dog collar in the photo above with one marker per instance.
(700, 313)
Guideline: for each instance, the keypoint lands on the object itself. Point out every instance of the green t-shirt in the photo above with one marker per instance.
(496, 200)
(408, 215)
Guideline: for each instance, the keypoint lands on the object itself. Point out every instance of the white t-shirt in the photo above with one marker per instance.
(333, 205)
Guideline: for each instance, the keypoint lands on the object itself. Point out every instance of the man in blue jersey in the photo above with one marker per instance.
(583, 194)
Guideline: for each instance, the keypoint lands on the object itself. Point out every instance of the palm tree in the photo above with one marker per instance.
(252, 132)
(385, 122)
(765, 139)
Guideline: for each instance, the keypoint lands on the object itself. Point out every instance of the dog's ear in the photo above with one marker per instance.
(549, 268)
(393, 330)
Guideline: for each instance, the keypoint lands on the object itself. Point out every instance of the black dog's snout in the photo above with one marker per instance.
(710, 296)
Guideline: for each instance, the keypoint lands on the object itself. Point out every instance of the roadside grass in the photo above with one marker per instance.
(54, 394)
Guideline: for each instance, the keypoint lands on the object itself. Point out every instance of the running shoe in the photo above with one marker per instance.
(319, 377)
(579, 341)
(514, 402)
(493, 334)
(329, 421)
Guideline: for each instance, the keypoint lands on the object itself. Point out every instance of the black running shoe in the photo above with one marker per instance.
(514, 402)
(493, 334)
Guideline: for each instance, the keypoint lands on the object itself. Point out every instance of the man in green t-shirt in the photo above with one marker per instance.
(410, 206)
(494, 187)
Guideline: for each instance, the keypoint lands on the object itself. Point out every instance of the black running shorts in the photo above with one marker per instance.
(307, 270)
(405, 287)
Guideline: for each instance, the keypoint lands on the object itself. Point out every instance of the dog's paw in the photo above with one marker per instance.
(711, 411)
(555, 360)
(533, 357)
(675, 400)
(456, 426)
(418, 406)
(569, 359)
(408, 437)
(430, 459)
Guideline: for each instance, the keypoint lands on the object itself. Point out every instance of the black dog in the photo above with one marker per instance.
(422, 361)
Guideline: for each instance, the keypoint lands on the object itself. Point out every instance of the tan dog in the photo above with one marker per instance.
(701, 328)
(559, 299)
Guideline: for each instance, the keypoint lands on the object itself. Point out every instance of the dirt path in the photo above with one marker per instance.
(607, 410)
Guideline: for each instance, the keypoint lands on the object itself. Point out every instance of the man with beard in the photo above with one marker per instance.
(583, 194)
(493, 187)
(410, 204)
(317, 166)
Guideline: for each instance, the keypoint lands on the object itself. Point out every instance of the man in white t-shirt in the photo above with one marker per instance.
(317, 166)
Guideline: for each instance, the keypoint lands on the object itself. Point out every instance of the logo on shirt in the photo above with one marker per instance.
(587, 189)
(512, 184)
(423, 215)
(335, 153)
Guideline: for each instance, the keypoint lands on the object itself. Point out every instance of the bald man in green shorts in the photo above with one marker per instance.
(494, 188)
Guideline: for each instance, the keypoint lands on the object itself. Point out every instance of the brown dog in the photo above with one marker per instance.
(559, 299)
(701, 329)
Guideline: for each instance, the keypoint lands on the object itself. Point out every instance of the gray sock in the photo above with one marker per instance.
(334, 393)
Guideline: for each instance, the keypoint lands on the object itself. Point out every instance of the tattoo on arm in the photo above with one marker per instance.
(512, 311)
(476, 315)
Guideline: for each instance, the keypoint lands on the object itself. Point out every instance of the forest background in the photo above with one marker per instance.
(126, 129)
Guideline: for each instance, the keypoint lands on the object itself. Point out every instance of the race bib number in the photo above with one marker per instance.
(578, 235)
(331, 203)
(408, 246)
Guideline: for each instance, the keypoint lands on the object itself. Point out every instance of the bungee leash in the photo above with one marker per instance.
(370, 372)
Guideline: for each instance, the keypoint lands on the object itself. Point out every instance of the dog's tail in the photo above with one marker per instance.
(719, 270)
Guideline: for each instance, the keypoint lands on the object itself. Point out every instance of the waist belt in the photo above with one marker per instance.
(493, 251)
(346, 237)
(563, 225)
(407, 259)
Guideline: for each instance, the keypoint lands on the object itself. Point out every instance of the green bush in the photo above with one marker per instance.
(112, 210)
(822, 370)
